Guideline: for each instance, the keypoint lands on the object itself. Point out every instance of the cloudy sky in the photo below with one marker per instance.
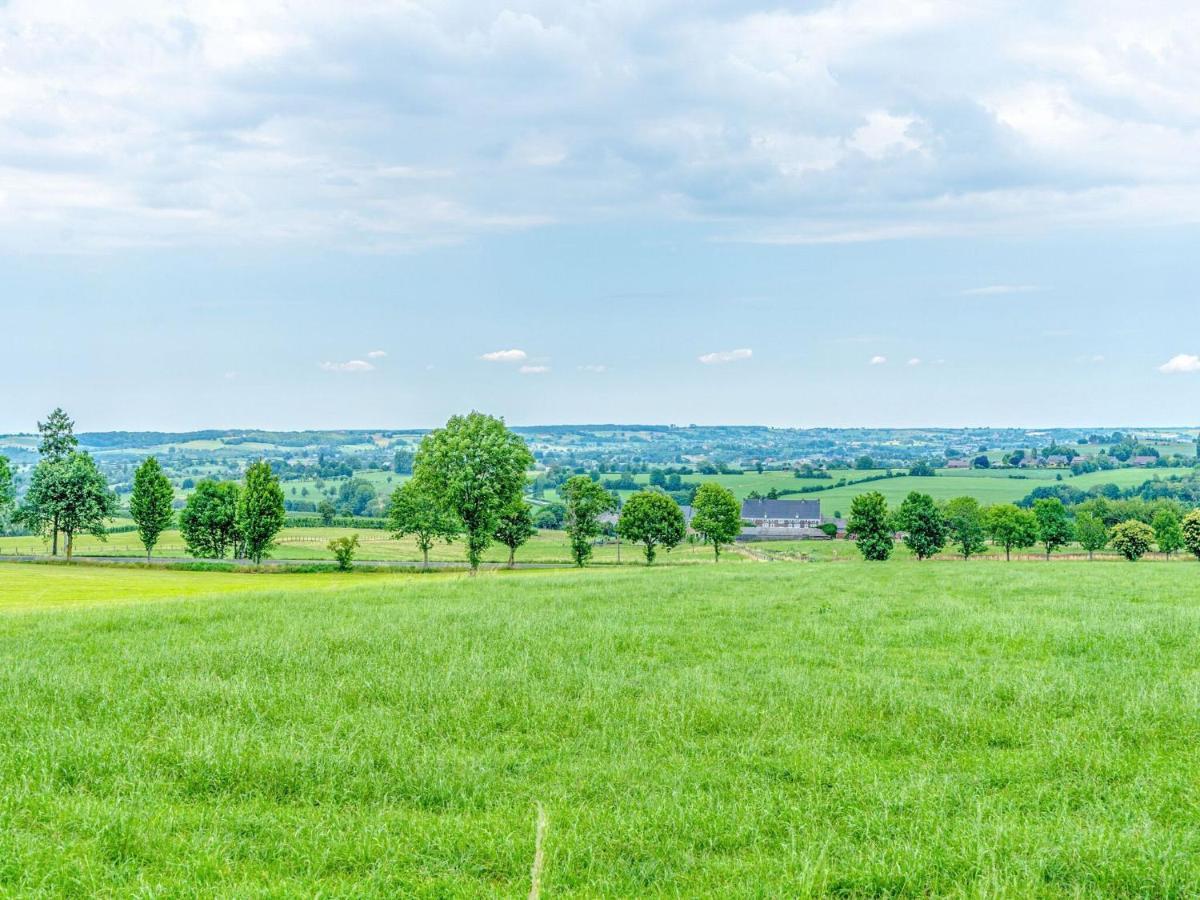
(295, 214)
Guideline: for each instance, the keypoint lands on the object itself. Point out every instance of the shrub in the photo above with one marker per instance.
(343, 549)
(1132, 539)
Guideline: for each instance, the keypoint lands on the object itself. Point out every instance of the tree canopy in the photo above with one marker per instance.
(717, 516)
(653, 519)
(151, 505)
(871, 524)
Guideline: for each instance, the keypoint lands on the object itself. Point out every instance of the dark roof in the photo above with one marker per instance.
(781, 509)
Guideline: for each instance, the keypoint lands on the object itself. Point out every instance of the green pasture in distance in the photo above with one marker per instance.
(931, 729)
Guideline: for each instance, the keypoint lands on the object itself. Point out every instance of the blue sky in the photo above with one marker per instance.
(296, 215)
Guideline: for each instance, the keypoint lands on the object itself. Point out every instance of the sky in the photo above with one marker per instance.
(862, 213)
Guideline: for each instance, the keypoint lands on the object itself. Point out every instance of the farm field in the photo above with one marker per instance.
(749, 730)
(310, 544)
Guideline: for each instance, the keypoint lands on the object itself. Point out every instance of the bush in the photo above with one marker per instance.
(343, 550)
(1132, 539)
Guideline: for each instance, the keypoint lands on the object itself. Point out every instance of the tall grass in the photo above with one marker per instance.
(750, 730)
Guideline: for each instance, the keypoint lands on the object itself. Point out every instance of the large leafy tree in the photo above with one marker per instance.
(475, 468)
(208, 522)
(716, 516)
(923, 525)
(964, 524)
(8, 493)
(1168, 531)
(415, 512)
(260, 511)
(586, 502)
(1054, 528)
(57, 442)
(871, 524)
(68, 495)
(1132, 539)
(514, 527)
(151, 503)
(1011, 527)
(653, 519)
(1091, 532)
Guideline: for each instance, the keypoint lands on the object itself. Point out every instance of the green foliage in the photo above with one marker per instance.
(1168, 531)
(1011, 527)
(343, 549)
(514, 527)
(552, 516)
(1132, 539)
(965, 525)
(716, 515)
(151, 503)
(475, 468)
(260, 511)
(923, 525)
(68, 494)
(326, 510)
(871, 524)
(416, 512)
(58, 439)
(8, 493)
(85, 502)
(1054, 528)
(355, 496)
(1191, 531)
(1091, 532)
(586, 501)
(654, 520)
(208, 523)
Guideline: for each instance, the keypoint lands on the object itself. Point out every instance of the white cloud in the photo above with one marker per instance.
(505, 356)
(883, 134)
(534, 370)
(878, 360)
(594, 367)
(993, 290)
(725, 356)
(915, 361)
(231, 376)
(1184, 363)
(353, 365)
(377, 354)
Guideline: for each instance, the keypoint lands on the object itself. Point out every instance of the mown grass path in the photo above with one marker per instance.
(742, 730)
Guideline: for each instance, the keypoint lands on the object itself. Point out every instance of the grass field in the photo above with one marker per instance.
(751, 730)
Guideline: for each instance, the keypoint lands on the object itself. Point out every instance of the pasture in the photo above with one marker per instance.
(746, 730)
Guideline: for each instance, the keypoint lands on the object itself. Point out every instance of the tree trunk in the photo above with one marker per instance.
(425, 551)
(1008, 554)
(54, 540)
(512, 557)
(70, 545)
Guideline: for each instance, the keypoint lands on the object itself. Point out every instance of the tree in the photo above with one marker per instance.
(326, 511)
(717, 516)
(151, 503)
(82, 501)
(354, 496)
(402, 462)
(1091, 532)
(58, 441)
(551, 516)
(58, 436)
(1191, 532)
(1011, 527)
(1132, 539)
(923, 525)
(8, 493)
(863, 463)
(981, 462)
(586, 501)
(871, 524)
(475, 468)
(415, 512)
(343, 549)
(208, 522)
(260, 510)
(1053, 524)
(964, 523)
(514, 528)
(653, 519)
(1168, 531)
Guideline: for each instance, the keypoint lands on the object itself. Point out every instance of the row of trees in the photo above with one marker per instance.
(469, 481)
(928, 528)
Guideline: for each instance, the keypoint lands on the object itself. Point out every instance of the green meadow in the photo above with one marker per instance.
(749, 730)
